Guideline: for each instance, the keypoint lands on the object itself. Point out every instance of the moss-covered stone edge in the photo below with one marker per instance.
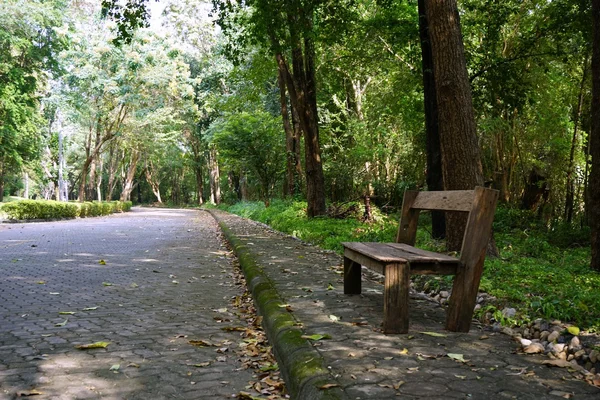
(302, 367)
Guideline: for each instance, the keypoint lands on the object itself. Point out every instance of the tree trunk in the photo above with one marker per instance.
(199, 184)
(129, 176)
(113, 163)
(289, 187)
(435, 180)
(1, 180)
(593, 198)
(570, 197)
(26, 185)
(535, 187)
(461, 160)
(215, 184)
(301, 86)
(151, 177)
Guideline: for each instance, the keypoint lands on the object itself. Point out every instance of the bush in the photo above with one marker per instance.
(49, 209)
(39, 209)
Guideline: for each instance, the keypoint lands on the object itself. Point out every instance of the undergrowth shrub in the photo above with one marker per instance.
(39, 209)
(49, 209)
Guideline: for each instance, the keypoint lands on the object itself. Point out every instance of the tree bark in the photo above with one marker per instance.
(153, 180)
(1, 179)
(129, 176)
(570, 197)
(290, 185)
(593, 198)
(215, 184)
(301, 85)
(435, 180)
(461, 159)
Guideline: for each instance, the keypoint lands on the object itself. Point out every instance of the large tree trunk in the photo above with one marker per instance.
(435, 179)
(461, 160)
(301, 85)
(593, 198)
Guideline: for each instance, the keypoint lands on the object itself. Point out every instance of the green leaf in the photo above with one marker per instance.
(102, 262)
(62, 323)
(66, 312)
(90, 308)
(573, 330)
(435, 334)
(330, 287)
(96, 345)
(269, 367)
(115, 368)
(107, 284)
(316, 337)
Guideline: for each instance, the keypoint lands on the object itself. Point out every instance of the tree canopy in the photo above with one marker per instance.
(190, 101)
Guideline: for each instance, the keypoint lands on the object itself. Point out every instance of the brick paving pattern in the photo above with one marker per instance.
(166, 280)
(370, 365)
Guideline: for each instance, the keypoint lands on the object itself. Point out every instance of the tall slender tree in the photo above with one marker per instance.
(593, 200)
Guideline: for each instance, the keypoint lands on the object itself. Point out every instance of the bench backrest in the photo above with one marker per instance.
(479, 203)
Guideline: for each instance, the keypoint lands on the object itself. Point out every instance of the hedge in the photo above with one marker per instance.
(49, 209)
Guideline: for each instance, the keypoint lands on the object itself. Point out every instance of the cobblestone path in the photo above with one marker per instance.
(148, 281)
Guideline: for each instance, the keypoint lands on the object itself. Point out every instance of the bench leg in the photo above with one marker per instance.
(395, 298)
(463, 299)
(352, 283)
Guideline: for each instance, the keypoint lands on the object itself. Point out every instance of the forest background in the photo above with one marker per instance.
(200, 107)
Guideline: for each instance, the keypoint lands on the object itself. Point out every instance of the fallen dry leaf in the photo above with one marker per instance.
(246, 396)
(27, 393)
(200, 343)
(328, 386)
(397, 385)
(434, 334)
(96, 345)
(62, 323)
(457, 357)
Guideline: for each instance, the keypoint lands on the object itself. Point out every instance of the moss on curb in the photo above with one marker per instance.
(303, 368)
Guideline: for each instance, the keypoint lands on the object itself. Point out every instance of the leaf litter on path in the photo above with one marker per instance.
(254, 350)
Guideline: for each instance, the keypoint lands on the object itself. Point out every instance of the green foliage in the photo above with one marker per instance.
(39, 209)
(253, 143)
(535, 275)
(49, 209)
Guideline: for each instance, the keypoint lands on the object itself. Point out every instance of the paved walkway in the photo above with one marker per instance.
(151, 280)
(359, 361)
(164, 280)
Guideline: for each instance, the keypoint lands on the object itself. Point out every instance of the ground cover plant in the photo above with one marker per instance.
(541, 273)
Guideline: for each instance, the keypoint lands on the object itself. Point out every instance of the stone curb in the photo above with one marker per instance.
(302, 366)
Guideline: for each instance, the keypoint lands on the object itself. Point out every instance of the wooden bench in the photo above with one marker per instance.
(397, 261)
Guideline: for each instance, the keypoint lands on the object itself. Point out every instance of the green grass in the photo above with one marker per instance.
(541, 273)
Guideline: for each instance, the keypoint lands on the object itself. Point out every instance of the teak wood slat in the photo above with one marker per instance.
(397, 261)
